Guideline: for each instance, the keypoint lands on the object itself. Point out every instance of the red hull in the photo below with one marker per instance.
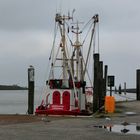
(57, 112)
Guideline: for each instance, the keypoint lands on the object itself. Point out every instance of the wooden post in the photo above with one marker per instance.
(104, 84)
(120, 89)
(31, 90)
(110, 90)
(96, 83)
(101, 103)
(105, 79)
(138, 85)
(124, 88)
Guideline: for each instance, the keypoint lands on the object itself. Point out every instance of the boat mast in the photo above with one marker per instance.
(61, 22)
(77, 50)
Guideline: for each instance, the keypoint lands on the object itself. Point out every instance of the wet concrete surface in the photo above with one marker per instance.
(24, 127)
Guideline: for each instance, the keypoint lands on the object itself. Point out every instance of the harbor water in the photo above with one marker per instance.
(16, 101)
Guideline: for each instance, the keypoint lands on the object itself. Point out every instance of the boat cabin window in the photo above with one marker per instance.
(57, 84)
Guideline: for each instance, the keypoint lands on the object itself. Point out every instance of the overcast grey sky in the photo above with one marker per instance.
(26, 33)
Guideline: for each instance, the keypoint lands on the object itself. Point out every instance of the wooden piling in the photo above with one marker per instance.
(100, 93)
(96, 83)
(124, 88)
(31, 90)
(105, 79)
(120, 89)
(138, 84)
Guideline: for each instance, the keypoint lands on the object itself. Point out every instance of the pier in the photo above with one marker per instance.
(29, 127)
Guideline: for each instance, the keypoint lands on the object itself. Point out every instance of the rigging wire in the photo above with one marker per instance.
(98, 38)
(90, 45)
(53, 45)
(45, 89)
(86, 24)
(89, 65)
(49, 62)
(87, 34)
(94, 42)
(86, 69)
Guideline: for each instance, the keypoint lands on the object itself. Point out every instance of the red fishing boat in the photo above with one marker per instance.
(66, 87)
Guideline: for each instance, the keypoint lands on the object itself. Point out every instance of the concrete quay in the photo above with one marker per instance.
(25, 127)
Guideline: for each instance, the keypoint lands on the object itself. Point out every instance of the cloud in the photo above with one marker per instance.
(27, 14)
(26, 32)
(21, 49)
(120, 51)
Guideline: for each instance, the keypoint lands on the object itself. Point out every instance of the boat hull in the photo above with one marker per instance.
(56, 112)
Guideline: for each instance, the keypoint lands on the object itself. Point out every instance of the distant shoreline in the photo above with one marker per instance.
(12, 87)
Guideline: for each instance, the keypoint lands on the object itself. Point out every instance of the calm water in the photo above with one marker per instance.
(16, 101)
(124, 97)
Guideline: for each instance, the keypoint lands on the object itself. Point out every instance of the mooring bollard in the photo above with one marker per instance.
(31, 90)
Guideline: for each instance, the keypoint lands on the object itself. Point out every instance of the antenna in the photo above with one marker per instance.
(73, 13)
